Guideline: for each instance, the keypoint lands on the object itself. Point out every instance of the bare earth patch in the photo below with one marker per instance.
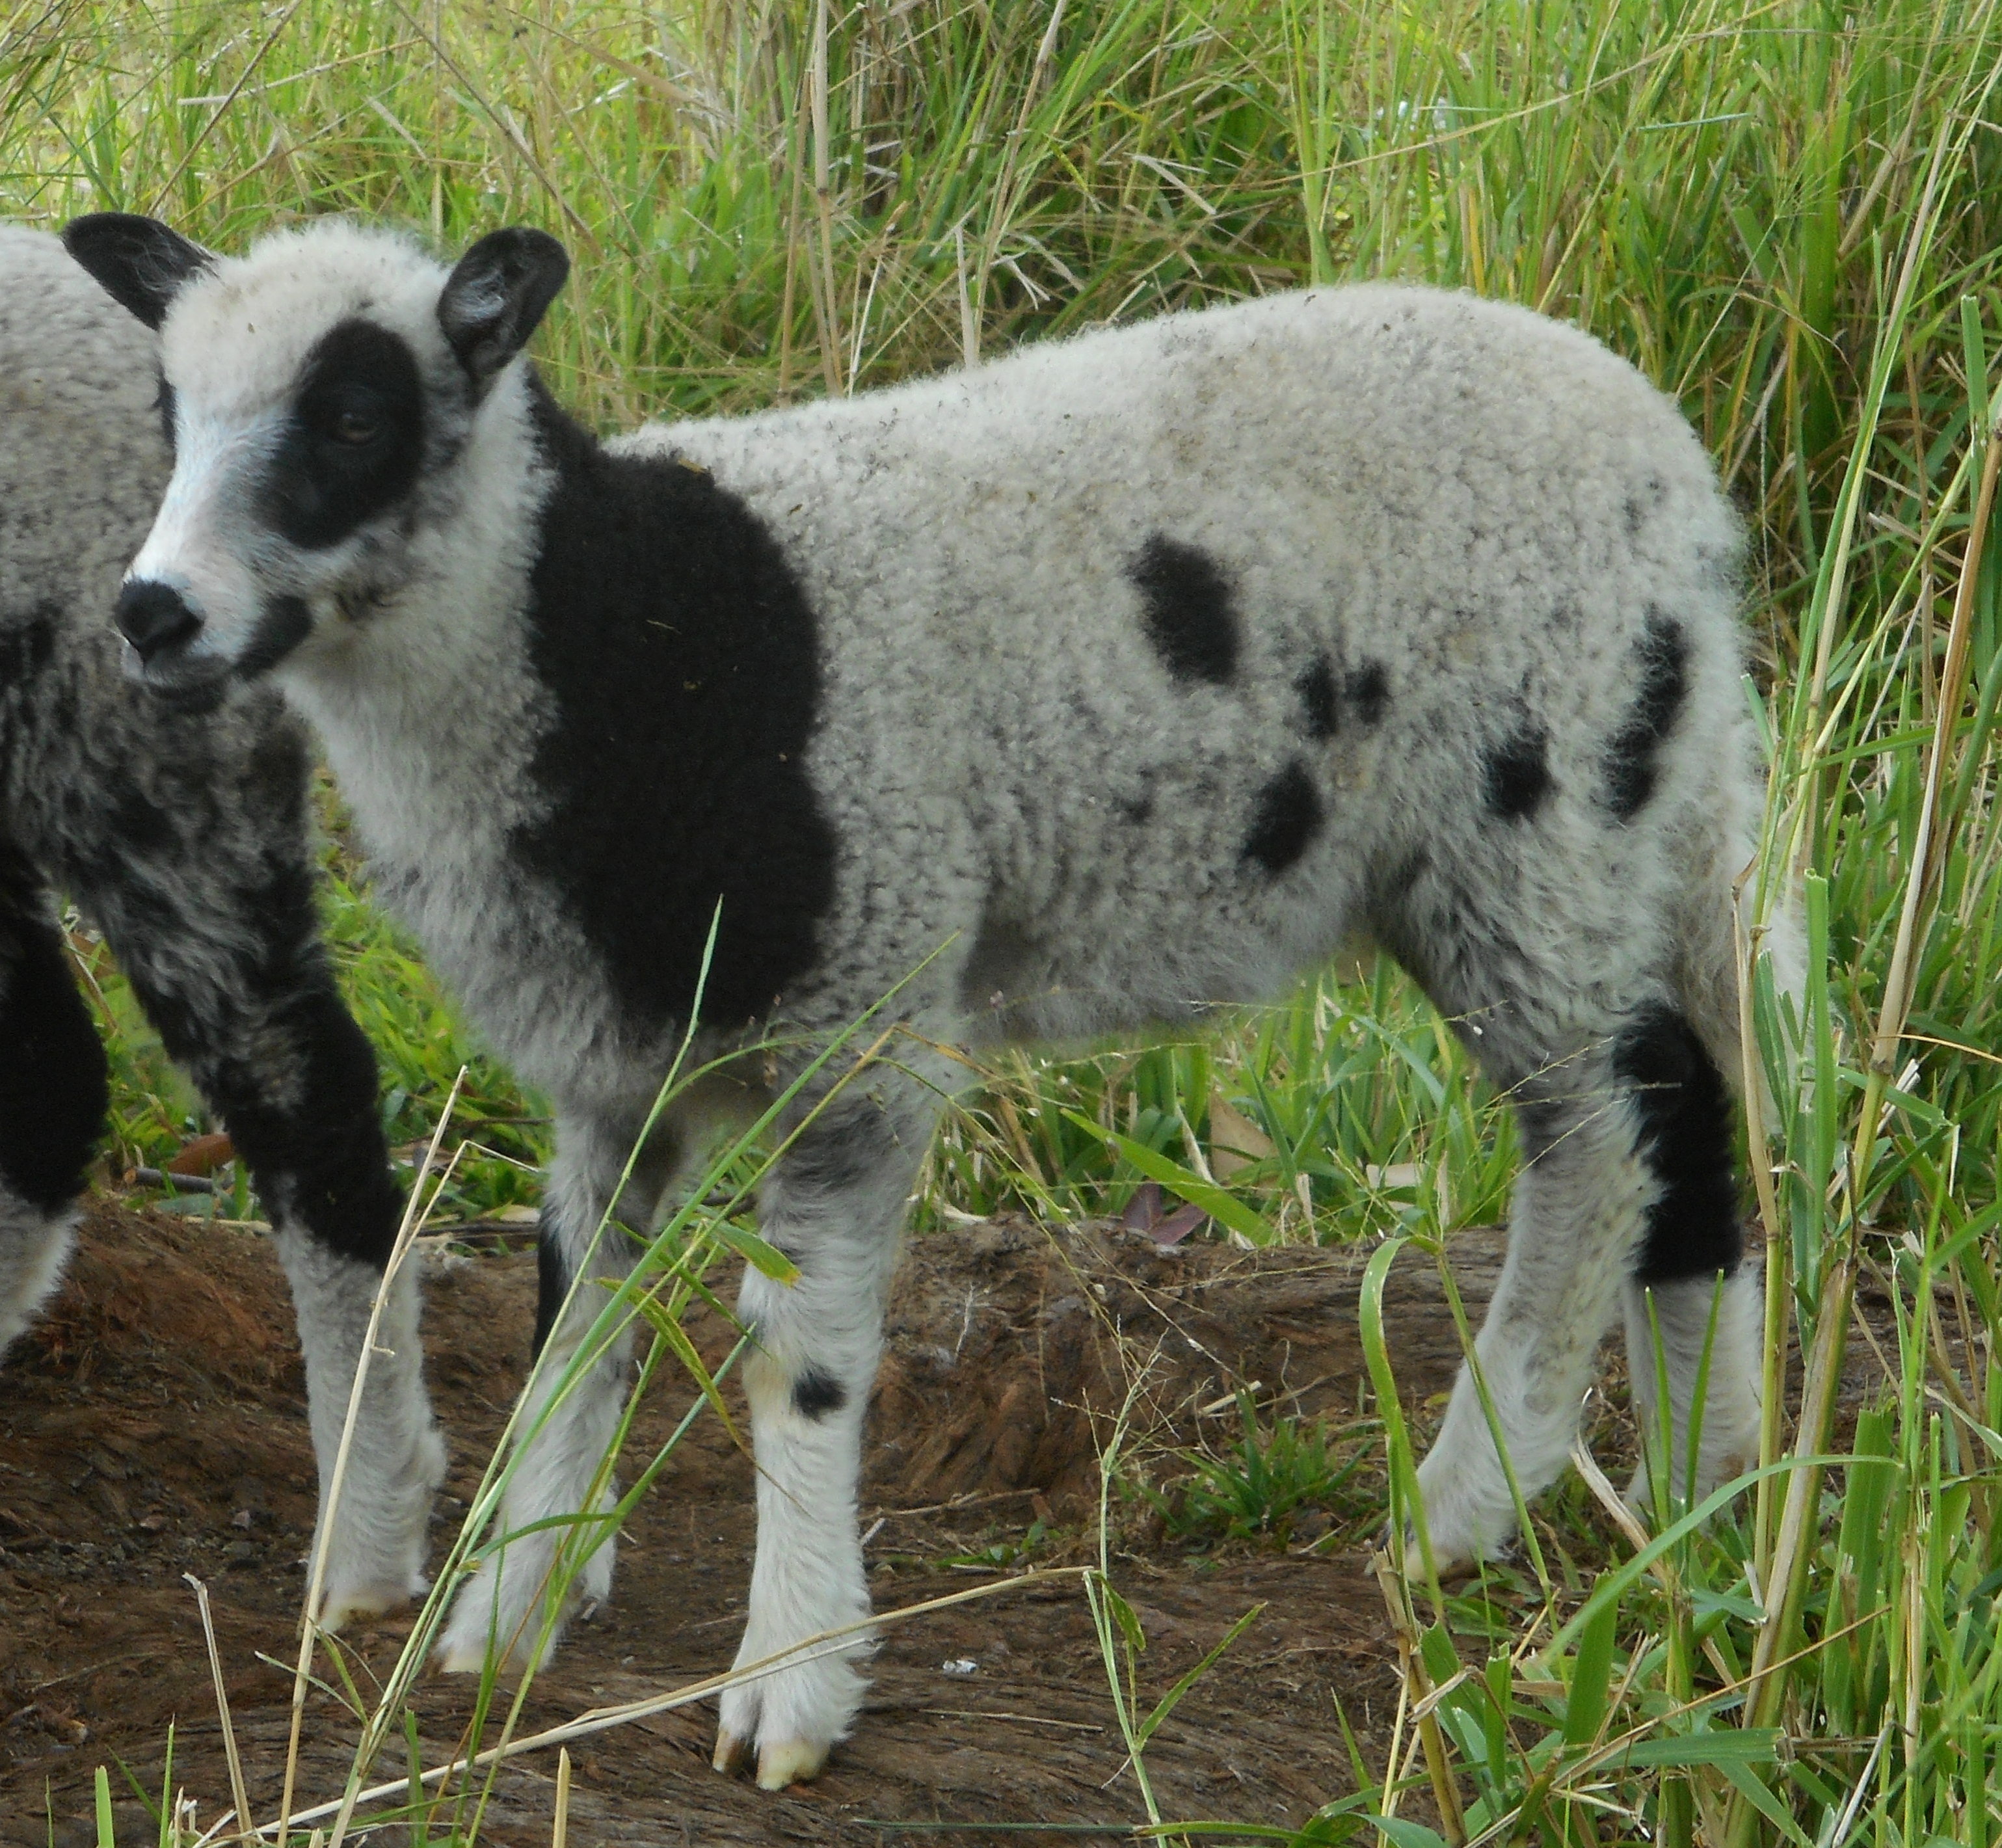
(154, 1424)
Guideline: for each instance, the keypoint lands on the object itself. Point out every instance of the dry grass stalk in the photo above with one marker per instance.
(236, 1788)
(309, 1619)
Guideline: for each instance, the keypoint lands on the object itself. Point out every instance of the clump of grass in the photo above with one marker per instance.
(1261, 1487)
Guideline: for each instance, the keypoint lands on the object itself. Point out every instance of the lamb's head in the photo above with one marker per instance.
(320, 393)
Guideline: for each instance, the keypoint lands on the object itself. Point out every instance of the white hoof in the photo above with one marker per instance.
(363, 1601)
(791, 1761)
(792, 1717)
(1464, 1525)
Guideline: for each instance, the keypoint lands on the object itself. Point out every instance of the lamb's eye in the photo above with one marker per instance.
(355, 427)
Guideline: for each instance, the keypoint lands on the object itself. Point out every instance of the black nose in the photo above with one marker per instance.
(150, 616)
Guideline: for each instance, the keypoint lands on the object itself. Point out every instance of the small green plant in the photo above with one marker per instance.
(1262, 1486)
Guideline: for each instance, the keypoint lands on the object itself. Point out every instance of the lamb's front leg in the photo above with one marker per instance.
(510, 1609)
(834, 1205)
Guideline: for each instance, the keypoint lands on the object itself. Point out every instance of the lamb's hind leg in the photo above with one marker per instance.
(1629, 1169)
(835, 1205)
(505, 1610)
(52, 1096)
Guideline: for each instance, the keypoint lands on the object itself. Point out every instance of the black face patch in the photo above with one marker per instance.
(286, 622)
(1191, 615)
(1685, 1125)
(1515, 776)
(52, 1081)
(816, 1394)
(351, 447)
(1289, 817)
(1368, 691)
(685, 666)
(1320, 704)
(1631, 766)
(163, 403)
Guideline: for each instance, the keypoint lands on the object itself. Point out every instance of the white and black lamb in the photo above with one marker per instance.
(1120, 678)
(182, 836)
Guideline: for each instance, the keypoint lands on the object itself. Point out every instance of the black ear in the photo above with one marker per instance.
(141, 262)
(497, 295)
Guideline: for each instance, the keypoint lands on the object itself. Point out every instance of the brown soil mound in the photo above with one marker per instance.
(153, 1425)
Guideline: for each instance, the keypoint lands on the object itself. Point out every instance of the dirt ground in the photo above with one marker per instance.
(153, 1425)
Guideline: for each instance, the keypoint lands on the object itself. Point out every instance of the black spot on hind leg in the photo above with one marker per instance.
(1189, 609)
(816, 1394)
(551, 1286)
(1515, 776)
(1685, 1114)
(1289, 817)
(1631, 767)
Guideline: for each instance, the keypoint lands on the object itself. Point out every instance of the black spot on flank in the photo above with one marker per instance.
(163, 402)
(686, 699)
(1136, 811)
(1191, 615)
(351, 447)
(1516, 776)
(1684, 1109)
(816, 1394)
(1289, 815)
(1368, 691)
(52, 1082)
(1320, 702)
(1630, 766)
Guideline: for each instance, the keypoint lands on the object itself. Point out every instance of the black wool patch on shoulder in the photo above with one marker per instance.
(1321, 703)
(53, 1092)
(1631, 767)
(1368, 691)
(1515, 775)
(1289, 816)
(1189, 610)
(1685, 1121)
(816, 1394)
(352, 445)
(684, 663)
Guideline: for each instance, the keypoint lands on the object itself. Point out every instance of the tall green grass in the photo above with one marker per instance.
(1787, 213)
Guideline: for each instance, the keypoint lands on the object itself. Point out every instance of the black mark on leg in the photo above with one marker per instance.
(1684, 1109)
(816, 1394)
